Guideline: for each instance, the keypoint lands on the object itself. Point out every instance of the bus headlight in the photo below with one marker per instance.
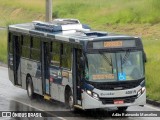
(141, 91)
(92, 94)
(89, 92)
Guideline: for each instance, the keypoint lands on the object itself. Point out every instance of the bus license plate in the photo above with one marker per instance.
(118, 101)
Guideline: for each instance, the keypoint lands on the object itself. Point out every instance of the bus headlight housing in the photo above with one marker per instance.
(95, 95)
(89, 92)
(141, 91)
(92, 94)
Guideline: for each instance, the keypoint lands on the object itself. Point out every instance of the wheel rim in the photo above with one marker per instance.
(29, 90)
(71, 101)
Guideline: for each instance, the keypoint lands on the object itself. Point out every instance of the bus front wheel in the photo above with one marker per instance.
(70, 101)
(30, 90)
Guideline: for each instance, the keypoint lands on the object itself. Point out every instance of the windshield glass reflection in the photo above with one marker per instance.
(105, 67)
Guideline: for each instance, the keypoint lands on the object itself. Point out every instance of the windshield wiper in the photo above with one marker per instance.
(106, 58)
(126, 56)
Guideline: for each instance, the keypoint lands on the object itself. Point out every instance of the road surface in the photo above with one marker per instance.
(15, 99)
(2, 28)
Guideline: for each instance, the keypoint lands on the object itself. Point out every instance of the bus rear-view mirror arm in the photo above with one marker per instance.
(144, 57)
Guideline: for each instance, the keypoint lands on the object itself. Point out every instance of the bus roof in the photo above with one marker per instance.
(69, 30)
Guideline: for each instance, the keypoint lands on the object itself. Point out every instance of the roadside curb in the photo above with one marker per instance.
(152, 102)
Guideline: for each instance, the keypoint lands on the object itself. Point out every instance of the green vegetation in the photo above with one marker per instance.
(110, 11)
(19, 11)
(133, 17)
(152, 48)
(88, 11)
(3, 46)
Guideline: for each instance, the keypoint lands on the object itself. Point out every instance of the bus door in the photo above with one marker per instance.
(45, 67)
(77, 77)
(16, 59)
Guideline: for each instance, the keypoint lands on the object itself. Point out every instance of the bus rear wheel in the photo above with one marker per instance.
(122, 109)
(30, 90)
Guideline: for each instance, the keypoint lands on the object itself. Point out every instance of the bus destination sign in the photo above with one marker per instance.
(113, 44)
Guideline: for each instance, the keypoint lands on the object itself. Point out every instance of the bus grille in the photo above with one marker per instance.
(129, 99)
(115, 85)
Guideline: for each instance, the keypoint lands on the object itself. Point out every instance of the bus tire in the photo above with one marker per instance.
(122, 109)
(30, 90)
(70, 100)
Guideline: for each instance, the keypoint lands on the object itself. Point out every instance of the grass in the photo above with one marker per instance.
(3, 48)
(133, 17)
(110, 12)
(152, 48)
(19, 11)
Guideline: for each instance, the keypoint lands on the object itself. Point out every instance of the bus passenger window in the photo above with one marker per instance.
(26, 46)
(55, 53)
(66, 56)
(10, 43)
(35, 48)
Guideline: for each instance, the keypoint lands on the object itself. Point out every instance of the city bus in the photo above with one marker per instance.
(69, 62)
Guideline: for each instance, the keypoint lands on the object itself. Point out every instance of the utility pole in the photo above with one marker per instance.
(48, 10)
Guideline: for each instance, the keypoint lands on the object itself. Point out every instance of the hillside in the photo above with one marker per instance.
(107, 11)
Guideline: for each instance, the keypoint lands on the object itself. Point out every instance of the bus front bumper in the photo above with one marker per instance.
(92, 103)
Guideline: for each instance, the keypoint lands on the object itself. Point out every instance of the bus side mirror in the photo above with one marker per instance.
(144, 57)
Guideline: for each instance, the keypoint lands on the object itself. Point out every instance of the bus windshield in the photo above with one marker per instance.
(110, 67)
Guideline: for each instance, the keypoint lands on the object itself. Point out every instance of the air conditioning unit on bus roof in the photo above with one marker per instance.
(71, 21)
(59, 25)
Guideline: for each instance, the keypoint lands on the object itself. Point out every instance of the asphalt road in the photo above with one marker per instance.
(2, 28)
(15, 99)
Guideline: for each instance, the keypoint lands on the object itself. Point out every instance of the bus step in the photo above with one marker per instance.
(78, 106)
(47, 97)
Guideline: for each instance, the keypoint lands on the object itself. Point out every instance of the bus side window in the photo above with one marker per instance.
(10, 50)
(55, 70)
(35, 48)
(66, 55)
(10, 43)
(26, 46)
(55, 53)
